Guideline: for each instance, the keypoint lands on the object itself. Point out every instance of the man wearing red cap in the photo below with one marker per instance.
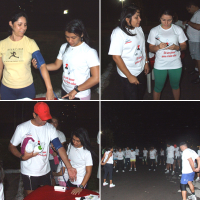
(35, 168)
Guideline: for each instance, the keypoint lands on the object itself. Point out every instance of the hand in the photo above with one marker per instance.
(173, 47)
(196, 170)
(54, 173)
(162, 45)
(50, 95)
(103, 163)
(185, 22)
(71, 95)
(132, 79)
(53, 147)
(34, 62)
(72, 173)
(146, 68)
(76, 191)
(54, 154)
(27, 156)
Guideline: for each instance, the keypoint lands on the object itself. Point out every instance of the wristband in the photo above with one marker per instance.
(21, 157)
(76, 88)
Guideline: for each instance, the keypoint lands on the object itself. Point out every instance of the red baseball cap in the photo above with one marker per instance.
(42, 109)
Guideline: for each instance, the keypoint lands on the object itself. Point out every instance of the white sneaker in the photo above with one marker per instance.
(116, 170)
(197, 179)
(130, 170)
(180, 175)
(105, 183)
(166, 169)
(167, 172)
(149, 169)
(114, 167)
(193, 197)
(123, 171)
(154, 170)
(135, 169)
(173, 173)
(112, 185)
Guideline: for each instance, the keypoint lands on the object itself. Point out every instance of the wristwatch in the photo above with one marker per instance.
(179, 48)
(146, 61)
(21, 157)
(76, 88)
(81, 186)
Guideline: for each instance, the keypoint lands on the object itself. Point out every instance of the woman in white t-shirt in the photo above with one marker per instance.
(152, 158)
(167, 41)
(127, 48)
(144, 158)
(79, 61)
(107, 161)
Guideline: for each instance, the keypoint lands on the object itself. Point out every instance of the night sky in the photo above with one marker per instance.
(71, 115)
(150, 123)
(48, 15)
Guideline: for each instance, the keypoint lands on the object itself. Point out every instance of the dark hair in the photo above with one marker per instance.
(183, 143)
(167, 11)
(83, 136)
(50, 121)
(127, 12)
(108, 148)
(76, 26)
(192, 3)
(14, 17)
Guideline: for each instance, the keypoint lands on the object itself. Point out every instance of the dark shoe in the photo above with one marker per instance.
(196, 81)
(193, 72)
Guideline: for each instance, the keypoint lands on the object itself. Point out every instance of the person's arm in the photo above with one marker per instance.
(109, 155)
(198, 162)
(121, 65)
(1, 67)
(46, 77)
(192, 165)
(183, 46)
(93, 80)
(102, 159)
(146, 66)
(193, 25)
(13, 149)
(60, 173)
(84, 182)
(155, 48)
(71, 171)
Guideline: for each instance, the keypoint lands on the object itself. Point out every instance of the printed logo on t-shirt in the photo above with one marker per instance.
(14, 55)
(128, 41)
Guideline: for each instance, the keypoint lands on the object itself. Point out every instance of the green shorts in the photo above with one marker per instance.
(161, 75)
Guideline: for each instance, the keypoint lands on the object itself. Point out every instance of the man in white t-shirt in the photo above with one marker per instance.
(35, 168)
(188, 170)
(170, 158)
(144, 159)
(193, 34)
(127, 157)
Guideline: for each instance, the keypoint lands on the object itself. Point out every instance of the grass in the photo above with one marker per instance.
(12, 162)
(49, 43)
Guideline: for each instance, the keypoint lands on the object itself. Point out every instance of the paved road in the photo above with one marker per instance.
(189, 91)
(144, 184)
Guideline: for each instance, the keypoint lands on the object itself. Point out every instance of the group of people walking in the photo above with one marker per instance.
(166, 41)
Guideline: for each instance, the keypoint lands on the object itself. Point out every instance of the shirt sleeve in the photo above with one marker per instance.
(181, 35)
(88, 161)
(61, 51)
(53, 133)
(117, 43)
(92, 58)
(17, 136)
(152, 37)
(198, 18)
(62, 137)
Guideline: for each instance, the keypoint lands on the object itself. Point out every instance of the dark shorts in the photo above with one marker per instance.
(33, 182)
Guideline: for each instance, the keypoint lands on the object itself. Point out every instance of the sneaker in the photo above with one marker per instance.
(130, 170)
(166, 169)
(149, 169)
(197, 179)
(135, 169)
(167, 172)
(180, 175)
(105, 183)
(116, 170)
(123, 171)
(112, 185)
(173, 173)
(114, 167)
(154, 170)
(193, 197)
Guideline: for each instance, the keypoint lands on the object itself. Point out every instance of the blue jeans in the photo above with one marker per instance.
(13, 94)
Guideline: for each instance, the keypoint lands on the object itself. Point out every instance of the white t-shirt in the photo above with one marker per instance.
(170, 152)
(66, 176)
(1, 191)
(110, 160)
(162, 152)
(128, 153)
(152, 154)
(120, 155)
(38, 165)
(180, 23)
(130, 48)
(77, 62)
(133, 155)
(79, 159)
(177, 152)
(167, 59)
(145, 153)
(137, 152)
(62, 139)
(194, 34)
(188, 153)
(198, 152)
(114, 155)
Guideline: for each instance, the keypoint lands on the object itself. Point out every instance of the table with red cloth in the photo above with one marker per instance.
(47, 193)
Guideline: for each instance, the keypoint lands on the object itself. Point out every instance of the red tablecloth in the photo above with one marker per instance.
(47, 193)
(43, 98)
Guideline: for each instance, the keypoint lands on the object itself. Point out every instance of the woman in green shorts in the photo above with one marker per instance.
(167, 41)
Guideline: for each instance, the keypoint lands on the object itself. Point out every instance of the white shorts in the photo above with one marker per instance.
(194, 48)
(170, 161)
